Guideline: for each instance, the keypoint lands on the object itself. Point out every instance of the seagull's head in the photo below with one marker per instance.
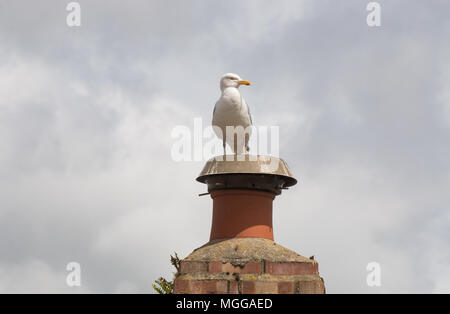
(232, 80)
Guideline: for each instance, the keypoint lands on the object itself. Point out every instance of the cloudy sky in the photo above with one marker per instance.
(86, 115)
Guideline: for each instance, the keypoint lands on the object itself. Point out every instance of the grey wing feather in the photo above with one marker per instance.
(249, 114)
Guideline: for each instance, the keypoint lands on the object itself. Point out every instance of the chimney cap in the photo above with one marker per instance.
(273, 172)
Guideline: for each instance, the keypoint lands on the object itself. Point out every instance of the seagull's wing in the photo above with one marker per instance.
(249, 114)
(243, 102)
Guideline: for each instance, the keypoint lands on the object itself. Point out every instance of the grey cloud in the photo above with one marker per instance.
(86, 116)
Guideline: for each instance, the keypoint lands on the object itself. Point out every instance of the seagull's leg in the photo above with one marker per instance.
(247, 138)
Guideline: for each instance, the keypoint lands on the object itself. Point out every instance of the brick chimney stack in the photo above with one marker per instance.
(241, 256)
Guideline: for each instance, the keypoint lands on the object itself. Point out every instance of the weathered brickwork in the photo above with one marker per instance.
(247, 271)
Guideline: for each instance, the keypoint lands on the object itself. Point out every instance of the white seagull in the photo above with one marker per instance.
(232, 110)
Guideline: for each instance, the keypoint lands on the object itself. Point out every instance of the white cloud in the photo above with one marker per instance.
(85, 134)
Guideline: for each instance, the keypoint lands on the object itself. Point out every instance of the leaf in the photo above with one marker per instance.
(162, 286)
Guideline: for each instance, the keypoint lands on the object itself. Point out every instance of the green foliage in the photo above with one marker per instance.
(176, 262)
(162, 286)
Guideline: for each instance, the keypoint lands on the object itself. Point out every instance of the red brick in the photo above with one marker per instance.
(234, 287)
(291, 268)
(286, 287)
(195, 286)
(222, 287)
(201, 286)
(209, 287)
(181, 286)
(252, 268)
(228, 268)
(266, 287)
(215, 267)
(193, 267)
(259, 287)
(311, 287)
(249, 268)
(248, 287)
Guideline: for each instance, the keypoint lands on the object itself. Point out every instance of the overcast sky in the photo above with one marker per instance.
(86, 115)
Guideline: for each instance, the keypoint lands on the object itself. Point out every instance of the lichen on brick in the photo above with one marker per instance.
(259, 263)
(248, 249)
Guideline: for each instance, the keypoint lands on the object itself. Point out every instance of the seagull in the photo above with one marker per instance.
(232, 110)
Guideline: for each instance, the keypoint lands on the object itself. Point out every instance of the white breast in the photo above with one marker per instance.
(232, 110)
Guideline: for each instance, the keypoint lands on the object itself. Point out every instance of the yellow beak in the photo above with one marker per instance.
(244, 82)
